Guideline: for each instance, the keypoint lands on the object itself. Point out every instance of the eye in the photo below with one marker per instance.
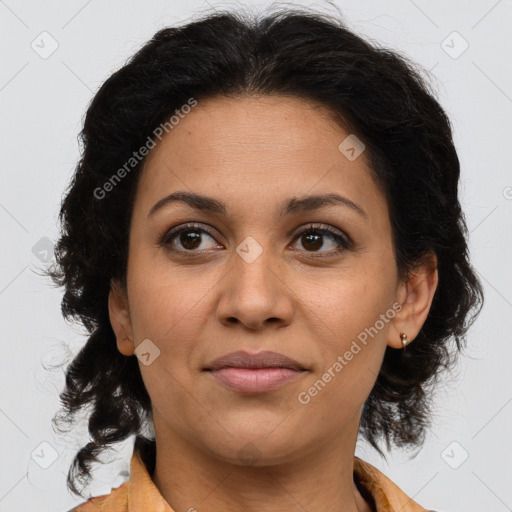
(312, 239)
(189, 236)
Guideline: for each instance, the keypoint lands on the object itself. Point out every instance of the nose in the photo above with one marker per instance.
(255, 294)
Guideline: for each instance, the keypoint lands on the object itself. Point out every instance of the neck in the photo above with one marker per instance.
(319, 479)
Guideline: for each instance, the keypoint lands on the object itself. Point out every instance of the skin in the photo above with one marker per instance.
(253, 153)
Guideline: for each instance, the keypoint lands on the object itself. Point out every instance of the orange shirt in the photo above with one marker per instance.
(139, 493)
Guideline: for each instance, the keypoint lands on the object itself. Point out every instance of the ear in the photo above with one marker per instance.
(120, 318)
(416, 296)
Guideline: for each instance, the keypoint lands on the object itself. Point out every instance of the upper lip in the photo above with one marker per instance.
(243, 359)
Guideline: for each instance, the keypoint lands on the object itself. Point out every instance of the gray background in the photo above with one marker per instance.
(42, 100)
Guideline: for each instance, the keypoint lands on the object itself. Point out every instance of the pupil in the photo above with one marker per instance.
(316, 243)
(190, 240)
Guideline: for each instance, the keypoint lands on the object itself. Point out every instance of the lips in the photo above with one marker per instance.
(248, 373)
(242, 359)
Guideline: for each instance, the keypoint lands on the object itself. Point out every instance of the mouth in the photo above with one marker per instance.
(248, 373)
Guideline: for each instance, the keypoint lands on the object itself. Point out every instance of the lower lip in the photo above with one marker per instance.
(255, 380)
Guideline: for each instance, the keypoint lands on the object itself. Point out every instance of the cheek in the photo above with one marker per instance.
(170, 313)
(170, 308)
(351, 358)
(352, 302)
(354, 317)
(165, 301)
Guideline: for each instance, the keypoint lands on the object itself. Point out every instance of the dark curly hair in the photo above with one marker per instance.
(373, 92)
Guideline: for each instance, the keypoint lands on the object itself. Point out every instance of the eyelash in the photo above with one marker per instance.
(344, 241)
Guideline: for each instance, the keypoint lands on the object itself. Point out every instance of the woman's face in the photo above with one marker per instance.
(244, 278)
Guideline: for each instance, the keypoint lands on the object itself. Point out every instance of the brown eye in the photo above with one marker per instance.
(312, 242)
(190, 240)
(189, 237)
(312, 239)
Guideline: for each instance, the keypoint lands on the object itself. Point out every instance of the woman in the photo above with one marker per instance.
(264, 240)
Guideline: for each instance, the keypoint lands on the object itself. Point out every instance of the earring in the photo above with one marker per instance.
(403, 337)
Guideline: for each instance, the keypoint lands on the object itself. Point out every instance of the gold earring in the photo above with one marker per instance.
(403, 337)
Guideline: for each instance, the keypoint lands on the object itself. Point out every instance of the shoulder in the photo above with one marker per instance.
(116, 500)
(385, 493)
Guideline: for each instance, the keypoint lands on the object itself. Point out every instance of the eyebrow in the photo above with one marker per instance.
(292, 206)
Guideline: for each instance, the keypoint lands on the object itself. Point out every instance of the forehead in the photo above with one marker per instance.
(256, 150)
